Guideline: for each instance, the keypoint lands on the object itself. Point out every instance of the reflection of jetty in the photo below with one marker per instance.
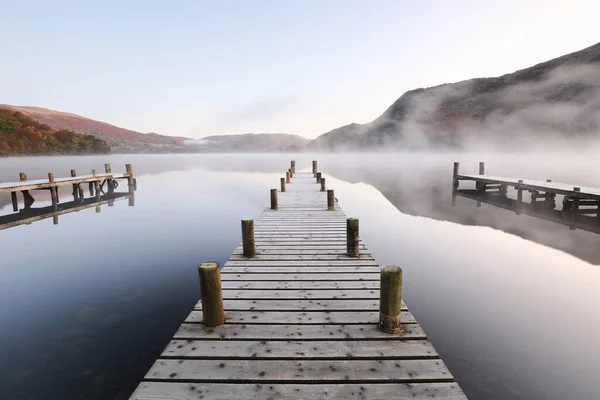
(580, 205)
(28, 215)
(102, 190)
(300, 311)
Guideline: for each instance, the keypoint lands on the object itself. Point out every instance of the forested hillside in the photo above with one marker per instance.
(20, 134)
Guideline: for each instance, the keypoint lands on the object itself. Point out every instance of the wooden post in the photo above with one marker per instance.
(575, 208)
(323, 187)
(129, 171)
(519, 197)
(273, 199)
(314, 167)
(283, 184)
(98, 208)
(291, 173)
(481, 185)
(131, 199)
(53, 193)
(248, 238)
(330, 200)
(481, 168)
(390, 298)
(109, 182)
(293, 165)
(319, 175)
(96, 184)
(75, 192)
(287, 177)
(15, 203)
(211, 294)
(352, 237)
(455, 183)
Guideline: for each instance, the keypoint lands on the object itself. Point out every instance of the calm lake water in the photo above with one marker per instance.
(88, 304)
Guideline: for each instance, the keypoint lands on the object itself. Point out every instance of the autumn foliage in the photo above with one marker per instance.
(20, 134)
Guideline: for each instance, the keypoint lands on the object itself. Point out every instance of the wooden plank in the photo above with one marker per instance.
(349, 391)
(330, 349)
(270, 251)
(300, 305)
(297, 284)
(299, 257)
(299, 277)
(301, 371)
(305, 317)
(300, 270)
(301, 294)
(350, 262)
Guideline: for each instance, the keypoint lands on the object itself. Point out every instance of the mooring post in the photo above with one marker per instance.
(287, 177)
(98, 208)
(249, 249)
(211, 294)
(314, 169)
(22, 176)
(319, 176)
(273, 199)
(130, 180)
(53, 193)
(323, 187)
(15, 202)
(109, 181)
(293, 166)
(330, 200)
(390, 298)
(482, 186)
(283, 184)
(575, 208)
(75, 191)
(291, 173)
(96, 183)
(455, 183)
(352, 237)
(519, 197)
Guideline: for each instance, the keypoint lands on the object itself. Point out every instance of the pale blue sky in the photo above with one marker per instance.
(306, 66)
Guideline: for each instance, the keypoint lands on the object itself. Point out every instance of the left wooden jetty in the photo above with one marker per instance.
(102, 189)
(301, 310)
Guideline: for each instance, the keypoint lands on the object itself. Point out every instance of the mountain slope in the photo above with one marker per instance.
(20, 134)
(555, 99)
(121, 140)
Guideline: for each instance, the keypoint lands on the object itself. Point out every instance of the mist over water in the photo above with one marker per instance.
(90, 303)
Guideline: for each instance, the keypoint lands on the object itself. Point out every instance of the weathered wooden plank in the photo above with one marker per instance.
(299, 257)
(301, 371)
(331, 349)
(350, 262)
(304, 317)
(298, 284)
(349, 391)
(270, 251)
(301, 294)
(300, 270)
(300, 305)
(300, 277)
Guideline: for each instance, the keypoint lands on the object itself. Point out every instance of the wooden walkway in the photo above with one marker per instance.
(580, 204)
(301, 322)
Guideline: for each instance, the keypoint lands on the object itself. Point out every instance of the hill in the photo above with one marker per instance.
(250, 142)
(559, 98)
(20, 134)
(121, 140)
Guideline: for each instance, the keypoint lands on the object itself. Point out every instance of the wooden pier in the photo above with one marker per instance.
(580, 204)
(303, 317)
(99, 194)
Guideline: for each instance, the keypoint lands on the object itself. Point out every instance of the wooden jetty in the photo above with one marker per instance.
(580, 204)
(96, 182)
(306, 316)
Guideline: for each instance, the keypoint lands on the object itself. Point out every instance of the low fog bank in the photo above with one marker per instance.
(417, 183)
